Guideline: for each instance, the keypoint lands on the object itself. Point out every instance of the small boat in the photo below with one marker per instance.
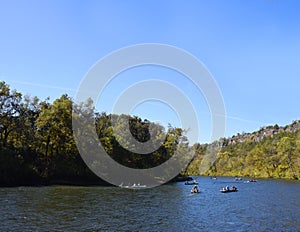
(252, 180)
(228, 190)
(195, 190)
(134, 186)
(191, 182)
(123, 186)
(138, 186)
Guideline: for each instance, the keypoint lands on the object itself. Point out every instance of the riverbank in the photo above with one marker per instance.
(75, 182)
(247, 177)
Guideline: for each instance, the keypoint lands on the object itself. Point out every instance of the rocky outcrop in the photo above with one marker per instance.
(257, 136)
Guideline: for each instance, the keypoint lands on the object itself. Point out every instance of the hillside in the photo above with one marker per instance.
(271, 152)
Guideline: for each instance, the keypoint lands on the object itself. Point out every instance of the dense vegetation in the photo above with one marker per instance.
(37, 144)
(276, 155)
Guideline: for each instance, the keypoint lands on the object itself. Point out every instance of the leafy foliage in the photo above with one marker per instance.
(274, 156)
(37, 144)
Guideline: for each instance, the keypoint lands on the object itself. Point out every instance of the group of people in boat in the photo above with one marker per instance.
(191, 183)
(227, 189)
(195, 188)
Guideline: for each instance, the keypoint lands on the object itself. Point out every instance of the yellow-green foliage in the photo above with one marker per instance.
(276, 156)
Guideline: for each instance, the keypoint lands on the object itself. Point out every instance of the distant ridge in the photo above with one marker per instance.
(266, 131)
(271, 152)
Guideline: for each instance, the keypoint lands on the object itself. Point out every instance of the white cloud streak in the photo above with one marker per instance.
(154, 103)
(42, 85)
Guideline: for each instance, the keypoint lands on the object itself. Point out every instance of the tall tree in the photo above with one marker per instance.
(9, 112)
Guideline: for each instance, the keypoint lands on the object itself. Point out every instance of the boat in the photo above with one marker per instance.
(124, 186)
(138, 186)
(134, 186)
(195, 190)
(252, 180)
(228, 190)
(191, 182)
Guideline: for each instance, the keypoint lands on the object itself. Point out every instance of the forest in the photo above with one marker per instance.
(37, 144)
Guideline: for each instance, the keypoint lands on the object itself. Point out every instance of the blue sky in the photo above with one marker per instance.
(252, 48)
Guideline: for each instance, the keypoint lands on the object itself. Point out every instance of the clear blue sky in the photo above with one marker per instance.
(252, 48)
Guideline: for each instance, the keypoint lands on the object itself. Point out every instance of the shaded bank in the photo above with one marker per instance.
(95, 181)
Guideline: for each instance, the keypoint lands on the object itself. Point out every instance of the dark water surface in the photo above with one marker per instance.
(267, 205)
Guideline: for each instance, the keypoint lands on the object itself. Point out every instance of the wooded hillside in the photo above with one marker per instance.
(271, 152)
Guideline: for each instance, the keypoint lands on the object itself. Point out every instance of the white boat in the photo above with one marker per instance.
(138, 186)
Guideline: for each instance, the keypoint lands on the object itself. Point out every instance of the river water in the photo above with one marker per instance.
(267, 205)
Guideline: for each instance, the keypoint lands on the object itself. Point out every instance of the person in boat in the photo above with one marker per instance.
(234, 188)
(195, 182)
(195, 189)
(227, 187)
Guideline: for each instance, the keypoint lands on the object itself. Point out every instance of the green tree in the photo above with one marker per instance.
(54, 130)
(9, 112)
(286, 150)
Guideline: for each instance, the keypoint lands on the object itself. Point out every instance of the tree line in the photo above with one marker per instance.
(274, 156)
(37, 144)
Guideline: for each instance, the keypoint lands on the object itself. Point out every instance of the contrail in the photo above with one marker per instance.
(75, 90)
(235, 118)
(241, 119)
(42, 85)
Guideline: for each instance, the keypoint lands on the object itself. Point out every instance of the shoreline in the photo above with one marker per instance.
(101, 183)
(77, 182)
(249, 177)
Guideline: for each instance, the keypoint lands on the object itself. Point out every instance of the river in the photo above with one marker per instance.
(267, 205)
